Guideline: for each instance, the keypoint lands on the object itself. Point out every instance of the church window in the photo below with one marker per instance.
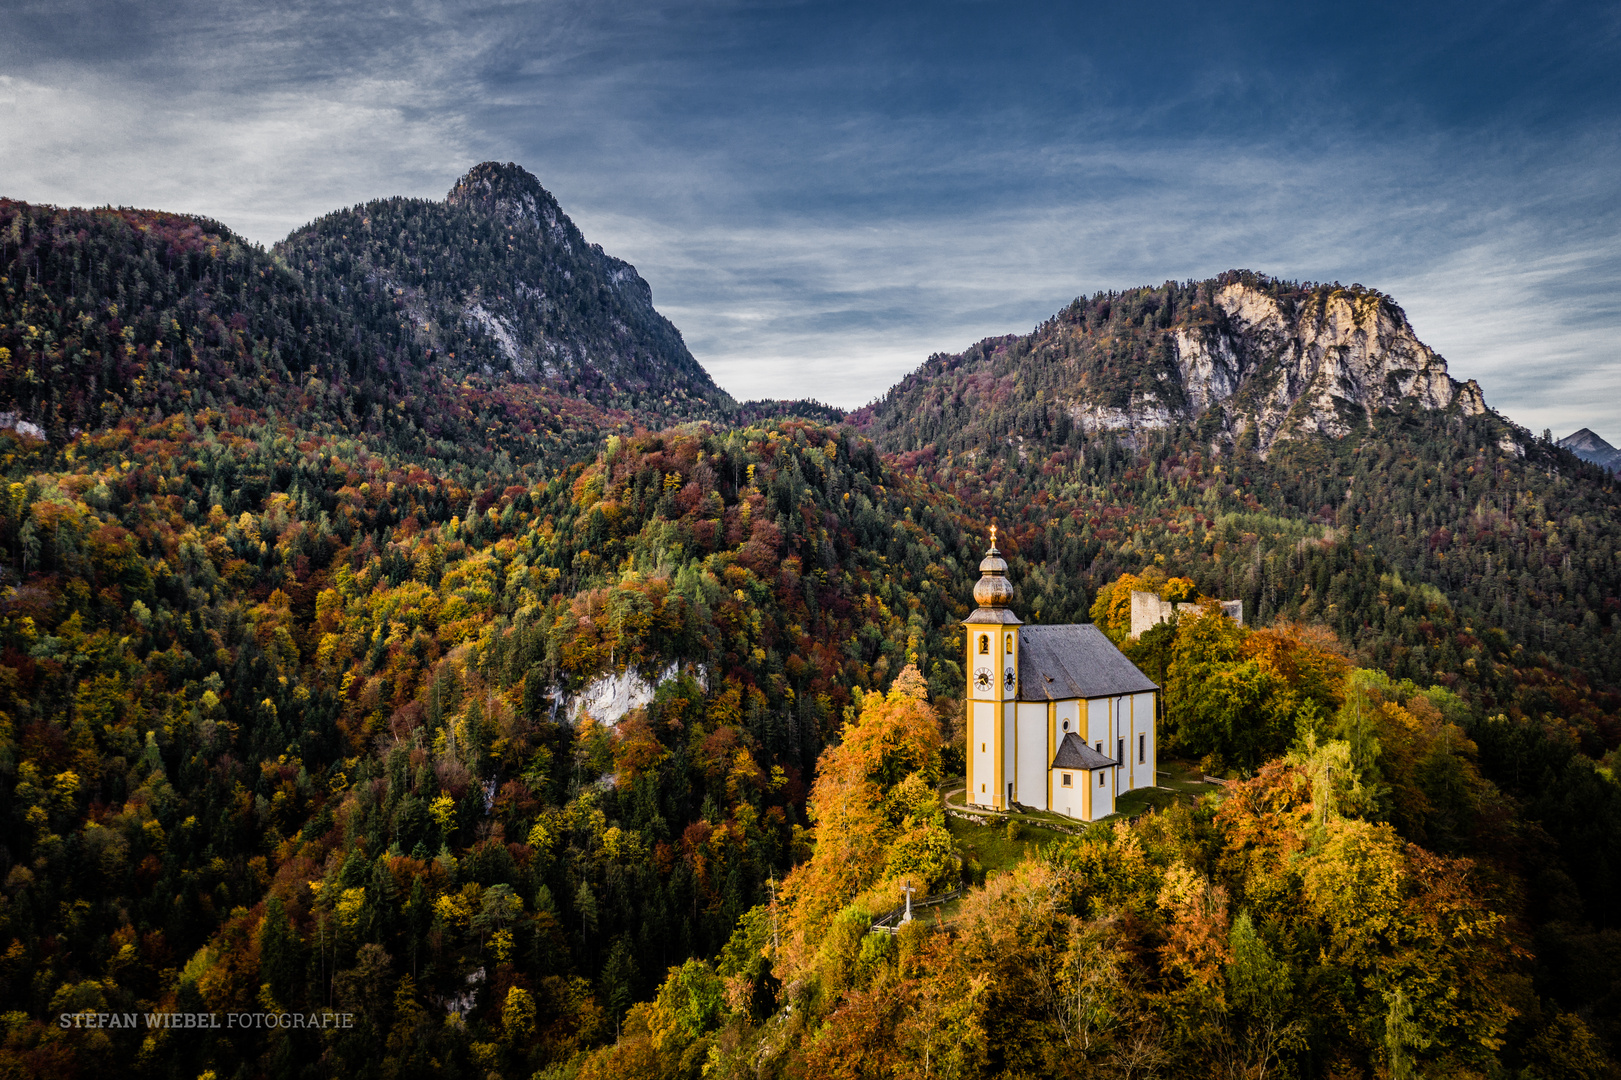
(982, 748)
(1120, 751)
(1142, 748)
(1066, 779)
(1066, 725)
(1101, 776)
(984, 643)
(1009, 645)
(982, 789)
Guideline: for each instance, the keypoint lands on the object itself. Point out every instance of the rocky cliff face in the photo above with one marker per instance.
(1240, 357)
(1310, 369)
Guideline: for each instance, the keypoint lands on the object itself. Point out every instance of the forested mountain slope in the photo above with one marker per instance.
(326, 722)
(104, 313)
(497, 279)
(421, 333)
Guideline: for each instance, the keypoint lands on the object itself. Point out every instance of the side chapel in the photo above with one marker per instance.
(1058, 718)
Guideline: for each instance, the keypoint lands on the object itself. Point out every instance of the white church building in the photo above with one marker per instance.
(1058, 718)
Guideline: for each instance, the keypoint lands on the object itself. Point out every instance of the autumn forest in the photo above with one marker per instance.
(310, 558)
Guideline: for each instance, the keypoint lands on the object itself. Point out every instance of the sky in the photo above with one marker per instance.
(822, 195)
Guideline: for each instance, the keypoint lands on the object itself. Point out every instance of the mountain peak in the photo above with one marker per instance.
(1589, 446)
(1585, 439)
(497, 279)
(508, 190)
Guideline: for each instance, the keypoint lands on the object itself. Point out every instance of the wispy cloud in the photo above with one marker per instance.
(261, 170)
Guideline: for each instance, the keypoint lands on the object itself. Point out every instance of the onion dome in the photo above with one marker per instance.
(993, 589)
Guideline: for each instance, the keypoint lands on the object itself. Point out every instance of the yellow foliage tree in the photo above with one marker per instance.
(893, 743)
(443, 812)
(1111, 610)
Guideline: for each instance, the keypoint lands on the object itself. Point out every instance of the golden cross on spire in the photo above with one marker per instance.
(993, 534)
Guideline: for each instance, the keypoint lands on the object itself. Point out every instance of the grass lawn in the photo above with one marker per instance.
(989, 845)
(1186, 777)
(1179, 781)
(1136, 802)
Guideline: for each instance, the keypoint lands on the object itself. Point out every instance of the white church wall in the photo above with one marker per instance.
(1098, 721)
(1070, 713)
(983, 748)
(1144, 759)
(1067, 800)
(1102, 793)
(1035, 757)
(1010, 755)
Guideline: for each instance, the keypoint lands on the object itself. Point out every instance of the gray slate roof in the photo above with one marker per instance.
(1057, 663)
(1075, 754)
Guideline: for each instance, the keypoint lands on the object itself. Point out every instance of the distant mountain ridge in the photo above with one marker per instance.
(1241, 356)
(1587, 445)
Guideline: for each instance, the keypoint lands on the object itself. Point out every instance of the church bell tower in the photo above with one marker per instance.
(993, 685)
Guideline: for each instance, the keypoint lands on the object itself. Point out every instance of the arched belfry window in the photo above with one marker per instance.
(1008, 645)
(984, 643)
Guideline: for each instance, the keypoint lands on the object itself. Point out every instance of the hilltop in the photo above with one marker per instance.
(1241, 358)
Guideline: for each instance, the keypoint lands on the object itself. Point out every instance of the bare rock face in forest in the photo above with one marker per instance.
(1311, 369)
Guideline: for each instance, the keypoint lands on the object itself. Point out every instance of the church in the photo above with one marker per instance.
(1058, 718)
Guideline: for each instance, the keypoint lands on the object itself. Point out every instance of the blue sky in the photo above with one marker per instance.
(821, 195)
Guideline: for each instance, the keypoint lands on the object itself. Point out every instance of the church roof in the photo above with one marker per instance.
(1075, 754)
(1057, 663)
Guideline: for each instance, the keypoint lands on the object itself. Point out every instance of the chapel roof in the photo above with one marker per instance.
(1075, 754)
(1058, 663)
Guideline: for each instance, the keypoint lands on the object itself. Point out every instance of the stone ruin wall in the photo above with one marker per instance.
(1148, 610)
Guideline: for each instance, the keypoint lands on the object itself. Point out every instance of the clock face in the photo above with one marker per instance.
(982, 679)
(1007, 678)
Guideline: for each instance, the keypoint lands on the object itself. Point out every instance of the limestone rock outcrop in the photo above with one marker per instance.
(1310, 370)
